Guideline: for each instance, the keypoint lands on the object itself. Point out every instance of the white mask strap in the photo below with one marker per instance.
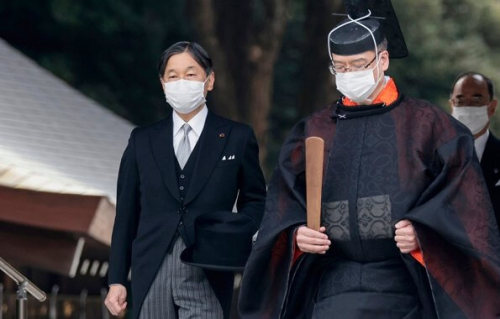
(351, 20)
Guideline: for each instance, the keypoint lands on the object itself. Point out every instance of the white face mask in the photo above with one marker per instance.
(358, 85)
(184, 96)
(474, 117)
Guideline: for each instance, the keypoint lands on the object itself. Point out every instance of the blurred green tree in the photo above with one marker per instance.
(107, 49)
(270, 56)
(445, 38)
(244, 38)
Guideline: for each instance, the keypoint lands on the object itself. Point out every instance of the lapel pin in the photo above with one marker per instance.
(222, 135)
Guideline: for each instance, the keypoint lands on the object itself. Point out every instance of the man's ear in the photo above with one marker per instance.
(384, 60)
(450, 104)
(211, 81)
(492, 107)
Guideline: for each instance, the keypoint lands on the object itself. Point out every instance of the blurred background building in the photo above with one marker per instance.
(59, 158)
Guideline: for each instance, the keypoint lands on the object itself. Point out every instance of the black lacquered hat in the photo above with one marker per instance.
(349, 37)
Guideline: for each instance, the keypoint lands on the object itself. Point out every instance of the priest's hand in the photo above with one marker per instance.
(312, 241)
(116, 299)
(406, 237)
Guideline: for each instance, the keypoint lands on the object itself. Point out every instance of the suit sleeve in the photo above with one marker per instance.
(251, 183)
(127, 215)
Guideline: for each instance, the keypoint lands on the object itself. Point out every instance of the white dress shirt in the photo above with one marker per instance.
(197, 124)
(480, 144)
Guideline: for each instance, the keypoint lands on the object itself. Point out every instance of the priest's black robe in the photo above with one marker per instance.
(421, 162)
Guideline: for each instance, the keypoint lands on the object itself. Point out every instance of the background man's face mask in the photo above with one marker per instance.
(184, 96)
(474, 117)
(357, 85)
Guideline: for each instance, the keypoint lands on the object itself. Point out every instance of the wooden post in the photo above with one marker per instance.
(105, 313)
(53, 302)
(1, 300)
(83, 304)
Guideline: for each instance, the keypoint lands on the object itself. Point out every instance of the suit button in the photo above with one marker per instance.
(181, 188)
(182, 176)
(180, 223)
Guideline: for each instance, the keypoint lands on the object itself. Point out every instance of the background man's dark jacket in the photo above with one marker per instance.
(490, 164)
(150, 209)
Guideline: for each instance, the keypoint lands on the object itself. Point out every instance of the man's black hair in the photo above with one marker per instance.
(489, 83)
(194, 49)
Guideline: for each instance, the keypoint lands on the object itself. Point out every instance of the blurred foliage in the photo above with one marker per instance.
(446, 38)
(109, 50)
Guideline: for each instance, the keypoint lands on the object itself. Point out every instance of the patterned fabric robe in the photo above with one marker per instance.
(415, 162)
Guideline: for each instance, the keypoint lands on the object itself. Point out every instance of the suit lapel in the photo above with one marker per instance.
(163, 151)
(211, 143)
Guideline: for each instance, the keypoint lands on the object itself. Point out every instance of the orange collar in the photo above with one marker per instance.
(388, 95)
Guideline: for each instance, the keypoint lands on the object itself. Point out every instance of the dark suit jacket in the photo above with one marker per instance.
(490, 164)
(149, 209)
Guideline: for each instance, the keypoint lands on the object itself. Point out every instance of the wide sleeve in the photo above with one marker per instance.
(127, 215)
(456, 230)
(265, 280)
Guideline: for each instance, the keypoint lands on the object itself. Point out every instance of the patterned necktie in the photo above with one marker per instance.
(184, 149)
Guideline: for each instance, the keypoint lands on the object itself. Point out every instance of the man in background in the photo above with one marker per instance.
(473, 103)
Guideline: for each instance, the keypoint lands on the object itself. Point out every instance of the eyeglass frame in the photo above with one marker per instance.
(479, 102)
(331, 67)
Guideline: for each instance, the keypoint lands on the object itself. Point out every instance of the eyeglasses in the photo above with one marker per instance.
(334, 69)
(473, 101)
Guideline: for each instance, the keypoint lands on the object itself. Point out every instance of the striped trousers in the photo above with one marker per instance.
(180, 291)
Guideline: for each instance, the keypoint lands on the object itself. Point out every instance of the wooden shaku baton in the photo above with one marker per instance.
(315, 148)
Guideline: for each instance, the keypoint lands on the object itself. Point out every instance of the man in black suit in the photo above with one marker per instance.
(189, 164)
(473, 103)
